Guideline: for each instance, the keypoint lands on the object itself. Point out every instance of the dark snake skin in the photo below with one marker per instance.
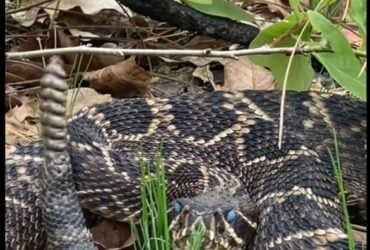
(206, 140)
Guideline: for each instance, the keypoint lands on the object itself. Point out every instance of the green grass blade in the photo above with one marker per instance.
(197, 237)
(339, 177)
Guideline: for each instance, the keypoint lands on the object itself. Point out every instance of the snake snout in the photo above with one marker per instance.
(230, 226)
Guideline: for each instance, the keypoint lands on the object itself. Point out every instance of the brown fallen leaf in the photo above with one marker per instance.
(16, 71)
(125, 79)
(112, 235)
(101, 60)
(243, 74)
(30, 43)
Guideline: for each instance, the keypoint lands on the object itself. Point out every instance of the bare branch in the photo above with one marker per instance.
(165, 52)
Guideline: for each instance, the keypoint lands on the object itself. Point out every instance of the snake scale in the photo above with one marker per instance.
(208, 140)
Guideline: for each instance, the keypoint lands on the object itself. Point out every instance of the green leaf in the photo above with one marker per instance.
(272, 32)
(220, 8)
(338, 68)
(294, 4)
(342, 65)
(301, 72)
(358, 14)
(201, 1)
(324, 5)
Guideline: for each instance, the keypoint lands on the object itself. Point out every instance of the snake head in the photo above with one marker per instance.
(228, 221)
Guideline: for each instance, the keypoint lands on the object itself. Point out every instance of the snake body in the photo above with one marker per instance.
(207, 140)
(62, 217)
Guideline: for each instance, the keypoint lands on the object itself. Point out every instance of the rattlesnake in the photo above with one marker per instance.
(207, 140)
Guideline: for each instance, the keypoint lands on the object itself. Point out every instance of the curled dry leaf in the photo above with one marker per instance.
(242, 74)
(28, 17)
(205, 74)
(125, 79)
(204, 70)
(112, 235)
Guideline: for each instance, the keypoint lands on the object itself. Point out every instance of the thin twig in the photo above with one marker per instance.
(362, 69)
(166, 52)
(359, 228)
(287, 71)
(283, 94)
(345, 10)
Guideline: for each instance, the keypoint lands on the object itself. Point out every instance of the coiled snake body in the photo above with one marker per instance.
(208, 140)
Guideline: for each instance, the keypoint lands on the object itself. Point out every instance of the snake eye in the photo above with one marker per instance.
(231, 216)
(178, 207)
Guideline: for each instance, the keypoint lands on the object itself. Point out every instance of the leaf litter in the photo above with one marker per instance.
(96, 79)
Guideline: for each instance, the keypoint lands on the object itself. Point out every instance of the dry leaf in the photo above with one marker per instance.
(205, 74)
(112, 235)
(16, 71)
(27, 109)
(89, 25)
(101, 60)
(11, 100)
(205, 42)
(85, 97)
(243, 74)
(172, 82)
(203, 61)
(21, 123)
(29, 44)
(20, 133)
(352, 37)
(64, 41)
(125, 79)
(88, 7)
